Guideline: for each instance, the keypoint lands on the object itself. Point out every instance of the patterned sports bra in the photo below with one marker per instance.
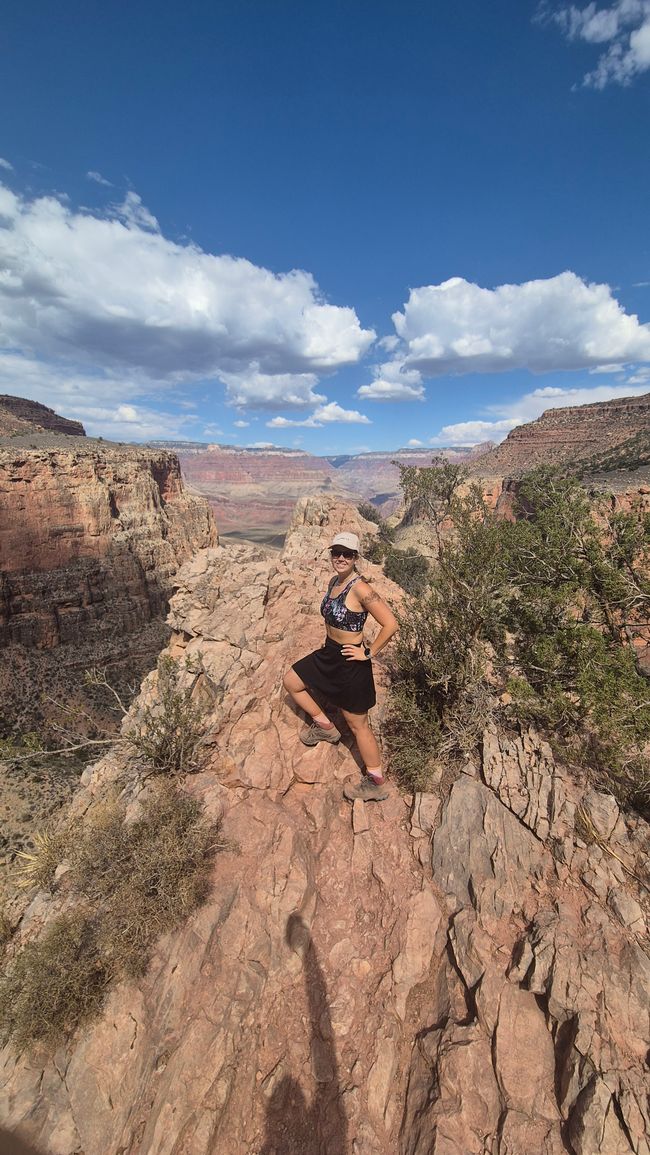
(336, 613)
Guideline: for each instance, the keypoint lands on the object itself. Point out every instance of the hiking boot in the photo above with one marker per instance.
(366, 790)
(314, 734)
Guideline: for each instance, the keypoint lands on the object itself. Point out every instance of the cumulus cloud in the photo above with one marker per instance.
(555, 324)
(414, 443)
(531, 406)
(82, 397)
(393, 382)
(241, 424)
(473, 432)
(323, 415)
(112, 292)
(624, 26)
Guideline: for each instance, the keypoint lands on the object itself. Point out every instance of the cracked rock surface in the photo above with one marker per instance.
(421, 977)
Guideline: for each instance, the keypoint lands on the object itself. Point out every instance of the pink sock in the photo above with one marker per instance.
(323, 720)
(375, 774)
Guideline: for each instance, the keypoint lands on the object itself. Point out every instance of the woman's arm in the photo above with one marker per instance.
(377, 608)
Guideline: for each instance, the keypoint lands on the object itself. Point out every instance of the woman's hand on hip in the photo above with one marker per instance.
(354, 653)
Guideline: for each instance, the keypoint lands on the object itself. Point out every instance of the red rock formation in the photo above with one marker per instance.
(90, 539)
(18, 415)
(439, 975)
(255, 489)
(251, 488)
(566, 436)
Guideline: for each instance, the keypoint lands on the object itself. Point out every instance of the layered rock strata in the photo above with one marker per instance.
(566, 436)
(462, 973)
(257, 489)
(20, 416)
(91, 536)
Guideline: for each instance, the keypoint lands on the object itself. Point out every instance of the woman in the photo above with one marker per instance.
(342, 669)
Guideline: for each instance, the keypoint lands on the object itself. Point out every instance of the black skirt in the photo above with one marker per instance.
(349, 685)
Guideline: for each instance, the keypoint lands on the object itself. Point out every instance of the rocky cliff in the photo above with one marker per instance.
(463, 972)
(568, 436)
(20, 416)
(91, 536)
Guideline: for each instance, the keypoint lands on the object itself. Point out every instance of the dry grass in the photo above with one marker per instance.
(56, 983)
(145, 876)
(37, 867)
(168, 734)
(140, 879)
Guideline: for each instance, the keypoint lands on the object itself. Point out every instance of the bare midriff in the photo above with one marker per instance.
(343, 637)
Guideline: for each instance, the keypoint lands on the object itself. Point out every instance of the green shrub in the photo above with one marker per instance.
(369, 513)
(144, 876)
(542, 606)
(408, 568)
(168, 734)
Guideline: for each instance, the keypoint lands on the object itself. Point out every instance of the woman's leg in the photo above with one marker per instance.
(296, 687)
(367, 743)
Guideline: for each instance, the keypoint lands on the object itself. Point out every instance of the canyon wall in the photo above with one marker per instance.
(567, 436)
(461, 972)
(257, 489)
(91, 536)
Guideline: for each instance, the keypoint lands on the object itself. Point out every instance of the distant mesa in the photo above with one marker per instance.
(19, 416)
(603, 436)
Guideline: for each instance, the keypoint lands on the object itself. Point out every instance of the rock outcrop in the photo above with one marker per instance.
(567, 436)
(462, 974)
(90, 538)
(18, 416)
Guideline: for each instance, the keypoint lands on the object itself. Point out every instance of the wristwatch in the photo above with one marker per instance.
(366, 650)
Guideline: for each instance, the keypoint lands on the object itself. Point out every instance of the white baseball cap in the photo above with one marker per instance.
(347, 540)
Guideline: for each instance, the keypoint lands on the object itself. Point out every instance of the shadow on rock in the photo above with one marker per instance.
(11, 1144)
(294, 1126)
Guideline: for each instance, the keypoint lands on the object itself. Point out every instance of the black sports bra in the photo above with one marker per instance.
(337, 614)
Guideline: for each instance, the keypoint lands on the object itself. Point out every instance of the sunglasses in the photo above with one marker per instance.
(338, 551)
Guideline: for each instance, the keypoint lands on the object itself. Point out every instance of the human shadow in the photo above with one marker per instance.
(11, 1144)
(294, 1126)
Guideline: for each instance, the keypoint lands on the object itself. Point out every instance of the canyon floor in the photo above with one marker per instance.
(460, 972)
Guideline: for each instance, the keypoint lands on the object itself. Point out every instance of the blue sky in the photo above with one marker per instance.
(337, 225)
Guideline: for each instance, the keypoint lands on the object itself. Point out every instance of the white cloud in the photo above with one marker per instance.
(607, 369)
(127, 413)
(323, 415)
(5, 164)
(393, 382)
(562, 323)
(531, 406)
(241, 424)
(414, 443)
(262, 445)
(261, 390)
(136, 215)
(98, 179)
(625, 26)
(116, 295)
(82, 397)
(473, 432)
